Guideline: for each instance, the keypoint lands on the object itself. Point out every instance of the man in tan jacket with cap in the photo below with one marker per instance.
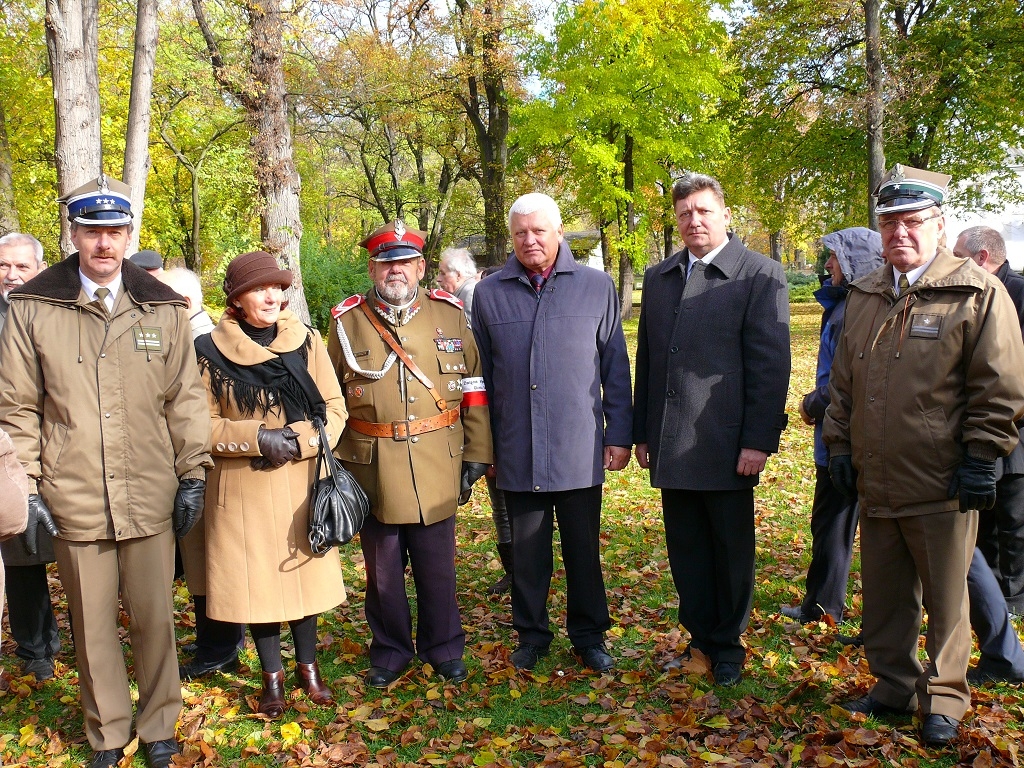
(100, 392)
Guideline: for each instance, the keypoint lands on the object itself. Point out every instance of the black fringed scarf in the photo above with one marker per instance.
(257, 389)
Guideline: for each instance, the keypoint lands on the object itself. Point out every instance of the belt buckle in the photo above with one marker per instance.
(400, 430)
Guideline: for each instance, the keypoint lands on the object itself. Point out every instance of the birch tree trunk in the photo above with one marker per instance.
(136, 150)
(875, 105)
(9, 221)
(72, 45)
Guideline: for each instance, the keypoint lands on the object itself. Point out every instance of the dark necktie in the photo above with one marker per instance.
(537, 281)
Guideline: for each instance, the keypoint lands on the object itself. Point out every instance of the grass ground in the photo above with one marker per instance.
(783, 712)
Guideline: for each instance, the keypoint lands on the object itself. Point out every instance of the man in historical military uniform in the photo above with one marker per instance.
(33, 624)
(925, 390)
(417, 438)
(100, 391)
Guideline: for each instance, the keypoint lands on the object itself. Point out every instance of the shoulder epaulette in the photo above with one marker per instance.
(350, 303)
(438, 295)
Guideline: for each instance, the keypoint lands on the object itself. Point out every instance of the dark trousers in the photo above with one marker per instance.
(430, 550)
(499, 512)
(1001, 653)
(710, 540)
(215, 640)
(532, 516)
(1001, 539)
(33, 625)
(833, 528)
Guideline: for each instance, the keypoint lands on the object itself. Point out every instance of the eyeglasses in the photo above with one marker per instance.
(890, 226)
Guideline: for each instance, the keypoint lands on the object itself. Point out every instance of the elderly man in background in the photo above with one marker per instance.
(101, 394)
(186, 283)
(995, 580)
(151, 261)
(457, 275)
(852, 253)
(33, 624)
(926, 388)
(557, 374)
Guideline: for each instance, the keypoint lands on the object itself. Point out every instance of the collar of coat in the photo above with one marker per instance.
(946, 272)
(564, 262)
(241, 350)
(60, 283)
(727, 261)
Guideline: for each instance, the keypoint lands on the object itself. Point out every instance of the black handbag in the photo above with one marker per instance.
(338, 506)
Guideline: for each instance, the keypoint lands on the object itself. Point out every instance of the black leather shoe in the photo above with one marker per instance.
(526, 656)
(453, 671)
(378, 677)
(794, 612)
(869, 705)
(979, 675)
(676, 662)
(106, 758)
(727, 673)
(41, 668)
(596, 657)
(158, 754)
(854, 640)
(197, 668)
(939, 730)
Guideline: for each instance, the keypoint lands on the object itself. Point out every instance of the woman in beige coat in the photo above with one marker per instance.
(260, 569)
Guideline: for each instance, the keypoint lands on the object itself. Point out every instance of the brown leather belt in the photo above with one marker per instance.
(403, 430)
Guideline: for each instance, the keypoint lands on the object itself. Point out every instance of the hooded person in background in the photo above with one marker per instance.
(852, 254)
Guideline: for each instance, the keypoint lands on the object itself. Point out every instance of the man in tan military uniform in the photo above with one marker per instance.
(100, 391)
(416, 440)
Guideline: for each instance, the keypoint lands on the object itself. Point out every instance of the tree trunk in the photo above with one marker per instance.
(626, 257)
(606, 251)
(9, 221)
(875, 105)
(136, 149)
(775, 240)
(72, 45)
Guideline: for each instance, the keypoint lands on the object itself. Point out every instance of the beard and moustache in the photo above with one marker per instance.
(396, 290)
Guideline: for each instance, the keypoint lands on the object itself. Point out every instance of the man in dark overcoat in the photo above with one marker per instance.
(712, 370)
(557, 375)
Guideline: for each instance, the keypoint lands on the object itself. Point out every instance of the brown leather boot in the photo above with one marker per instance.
(272, 695)
(308, 678)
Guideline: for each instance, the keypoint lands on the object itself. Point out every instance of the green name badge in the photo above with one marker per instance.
(148, 339)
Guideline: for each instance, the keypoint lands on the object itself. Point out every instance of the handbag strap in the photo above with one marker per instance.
(390, 340)
(324, 454)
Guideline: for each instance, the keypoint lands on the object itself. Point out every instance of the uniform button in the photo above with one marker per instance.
(412, 415)
(447, 366)
(871, 455)
(533, 386)
(412, 399)
(220, 446)
(671, 393)
(313, 441)
(232, 446)
(111, 475)
(676, 310)
(408, 377)
(353, 457)
(103, 354)
(415, 439)
(106, 415)
(536, 487)
(244, 446)
(871, 399)
(119, 533)
(673, 350)
(406, 338)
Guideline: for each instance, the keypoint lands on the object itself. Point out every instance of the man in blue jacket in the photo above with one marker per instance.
(557, 377)
(853, 253)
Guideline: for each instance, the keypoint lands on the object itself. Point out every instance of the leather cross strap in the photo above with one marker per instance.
(390, 340)
(403, 430)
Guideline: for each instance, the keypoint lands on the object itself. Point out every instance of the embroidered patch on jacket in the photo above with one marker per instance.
(925, 326)
(448, 345)
(148, 339)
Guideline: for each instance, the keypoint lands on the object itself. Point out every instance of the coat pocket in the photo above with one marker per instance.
(52, 448)
(944, 447)
(358, 450)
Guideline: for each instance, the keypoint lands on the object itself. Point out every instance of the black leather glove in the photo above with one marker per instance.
(471, 472)
(844, 476)
(188, 504)
(975, 482)
(278, 446)
(38, 514)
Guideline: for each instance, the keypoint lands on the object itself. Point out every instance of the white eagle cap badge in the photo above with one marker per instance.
(399, 229)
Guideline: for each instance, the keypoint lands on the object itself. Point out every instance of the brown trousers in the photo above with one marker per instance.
(904, 560)
(93, 572)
